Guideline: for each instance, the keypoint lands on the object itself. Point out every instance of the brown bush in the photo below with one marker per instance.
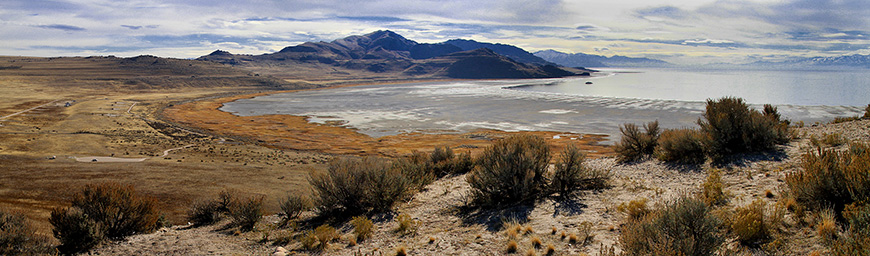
(713, 190)
(205, 212)
(75, 230)
(293, 205)
(750, 225)
(510, 171)
(18, 237)
(856, 240)
(246, 212)
(362, 227)
(634, 145)
(685, 146)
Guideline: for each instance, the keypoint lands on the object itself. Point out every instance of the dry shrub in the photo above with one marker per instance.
(445, 162)
(832, 179)
(732, 127)
(843, 119)
(358, 185)
(867, 111)
(293, 205)
(856, 240)
(681, 227)
(634, 144)
(713, 190)
(417, 170)
(510, 171)
(362, 227)
(531, 252)
(571, 174)
(685, 146)
(75, 230)
(246, 212)
(107, 210)
(750, 225)
(309, 241)
(406, 224)
(635, 209)
(585, 233)
(18, 237)
(204, 212)
(551, 250)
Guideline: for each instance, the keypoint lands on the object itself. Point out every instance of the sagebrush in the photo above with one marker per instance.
(732, 127)
(681, 227)
(512, 170)
(19, 237)
(635, 144)
(358, 185)
(685, 146)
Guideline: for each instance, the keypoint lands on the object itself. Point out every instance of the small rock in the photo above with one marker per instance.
(280, 251)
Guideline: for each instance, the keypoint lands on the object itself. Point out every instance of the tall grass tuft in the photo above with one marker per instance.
(635, 144)
(510, 171)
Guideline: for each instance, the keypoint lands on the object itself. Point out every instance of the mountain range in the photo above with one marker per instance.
(856, 60)
(385, 53)
(589, 60)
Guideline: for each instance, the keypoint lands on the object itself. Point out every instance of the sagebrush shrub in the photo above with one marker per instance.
(510, 171)
(635, 209)
(571, 174)
(325, 234)
(75, 230)
(18, 237)
(635, 144)
(204, 212)
(830, 178)
(117, 208)
(405, 224)
(362, 227)
(417, 170)
(246, 212)
(293, 205)
(685, 146)
(680, 227)
(732, 127)
(867, 111)
(358, 185)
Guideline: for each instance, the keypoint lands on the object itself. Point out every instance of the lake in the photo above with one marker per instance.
(674, 97)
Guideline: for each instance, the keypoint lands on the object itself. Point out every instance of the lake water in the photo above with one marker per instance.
(806, 88)
(674, 97)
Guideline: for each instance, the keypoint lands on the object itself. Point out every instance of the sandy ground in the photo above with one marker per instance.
(454, 233)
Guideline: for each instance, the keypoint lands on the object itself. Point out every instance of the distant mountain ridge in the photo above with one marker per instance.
(855, 60)
(386, 52)
(589, 60)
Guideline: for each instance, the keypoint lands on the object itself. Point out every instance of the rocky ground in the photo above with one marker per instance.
(443, 229)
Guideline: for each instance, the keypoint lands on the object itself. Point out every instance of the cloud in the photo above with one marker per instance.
(670, 12)
(61, 27)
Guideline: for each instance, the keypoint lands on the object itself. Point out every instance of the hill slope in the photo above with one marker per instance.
(589, 60)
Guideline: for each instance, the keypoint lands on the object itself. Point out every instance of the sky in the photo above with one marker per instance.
(682, 32)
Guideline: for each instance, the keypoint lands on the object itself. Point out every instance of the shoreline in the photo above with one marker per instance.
(297, 133)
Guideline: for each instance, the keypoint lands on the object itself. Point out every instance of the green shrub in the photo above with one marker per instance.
(510, 171)
(294, 205)
(444, 162)
(362, 227)
(354, 185)
(681, 227)
(205, 212)
(832, 179)
(750, 225)
(246, 212)
(684, 146)
(634, 145)
(733, 127)
(571, 174)
(76, 231)
(18, 237)
(713, 190)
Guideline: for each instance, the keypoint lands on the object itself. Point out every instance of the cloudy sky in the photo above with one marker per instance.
(686, 32)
